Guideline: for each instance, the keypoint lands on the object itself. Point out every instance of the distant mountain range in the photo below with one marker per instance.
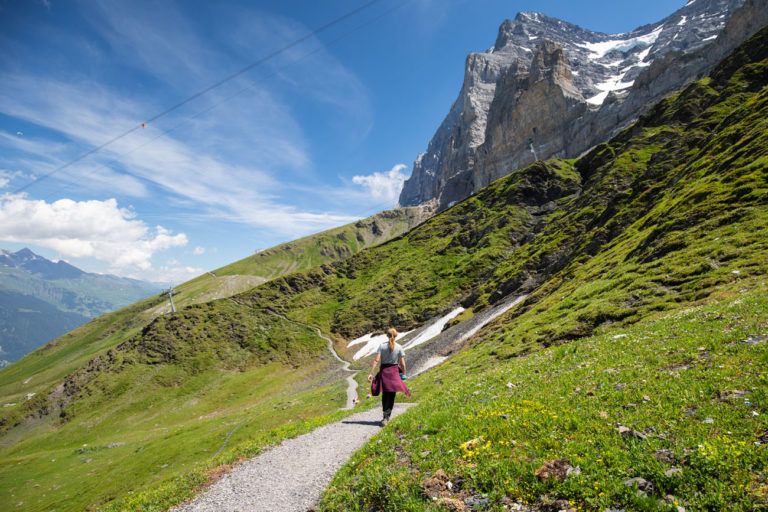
(41, 299)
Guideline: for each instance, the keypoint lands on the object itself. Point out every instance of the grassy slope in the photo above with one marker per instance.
(119, 364)
(673, 213)
(665, 377)
(419, 275)
(41, 370)
(685, 184)
(184, 395)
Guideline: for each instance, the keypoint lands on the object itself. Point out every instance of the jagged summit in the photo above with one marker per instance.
(503, 120)
(602, 62)
(25, 254)
(530, 26)
(36, 264)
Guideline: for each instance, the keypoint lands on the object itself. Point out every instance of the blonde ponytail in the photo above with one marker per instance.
(392, 333)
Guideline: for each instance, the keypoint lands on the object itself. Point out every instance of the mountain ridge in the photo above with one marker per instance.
(42, 299)
(59, 269)
(469, 150)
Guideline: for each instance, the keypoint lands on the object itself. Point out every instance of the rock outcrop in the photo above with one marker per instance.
(549, 88)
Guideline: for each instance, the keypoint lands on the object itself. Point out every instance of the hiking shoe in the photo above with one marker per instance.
(384, 422)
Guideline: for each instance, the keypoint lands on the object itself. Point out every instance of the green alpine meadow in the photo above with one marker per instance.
(633, 376)
(630, 376)
(278, 380)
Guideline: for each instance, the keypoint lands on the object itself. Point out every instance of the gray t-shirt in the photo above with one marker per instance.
(392, 357)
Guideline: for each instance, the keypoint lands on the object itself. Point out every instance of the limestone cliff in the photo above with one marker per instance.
(549, 88)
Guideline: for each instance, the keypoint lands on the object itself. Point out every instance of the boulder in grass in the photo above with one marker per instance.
(628, 433)
(477, 502)
(557, 469)
(642, 484)
(664, 455)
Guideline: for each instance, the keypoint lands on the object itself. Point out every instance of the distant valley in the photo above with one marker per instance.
(41, 299)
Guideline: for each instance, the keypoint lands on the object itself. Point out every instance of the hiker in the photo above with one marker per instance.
(389, 379)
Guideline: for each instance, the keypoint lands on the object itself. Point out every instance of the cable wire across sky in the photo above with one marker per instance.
(262, 60)
(254, 83)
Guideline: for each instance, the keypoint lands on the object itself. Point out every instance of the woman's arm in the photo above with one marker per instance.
(373, 367)
(401, 363)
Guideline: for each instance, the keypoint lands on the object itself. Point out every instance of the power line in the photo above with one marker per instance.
(196, 95)
(252, 84)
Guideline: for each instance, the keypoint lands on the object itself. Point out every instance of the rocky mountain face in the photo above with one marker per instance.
(548, 88)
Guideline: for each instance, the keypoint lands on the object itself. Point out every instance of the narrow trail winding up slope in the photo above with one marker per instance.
(292, 476)
(351, 382)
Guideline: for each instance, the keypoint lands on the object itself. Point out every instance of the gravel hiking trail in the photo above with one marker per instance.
(351, 382)
(292, 476)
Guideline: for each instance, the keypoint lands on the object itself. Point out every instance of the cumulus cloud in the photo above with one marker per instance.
(383, 186)
(235, 154)
(7, 176)
(86, 229)
(198, 251)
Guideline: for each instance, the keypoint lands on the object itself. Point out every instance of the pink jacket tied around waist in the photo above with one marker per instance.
(388, 379)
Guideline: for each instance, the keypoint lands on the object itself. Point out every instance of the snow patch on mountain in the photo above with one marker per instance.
(601, 49)
(434, 328)
(372, 343)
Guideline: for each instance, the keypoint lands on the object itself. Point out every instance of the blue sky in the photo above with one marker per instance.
(323, 134)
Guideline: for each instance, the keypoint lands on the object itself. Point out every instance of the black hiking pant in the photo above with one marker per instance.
(387, 402)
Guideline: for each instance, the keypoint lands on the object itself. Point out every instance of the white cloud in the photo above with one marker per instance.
(198, 251)
(383, 186)
(236, 162)
(173, 274)
(230, 182)
(85, 229)
(7, 176)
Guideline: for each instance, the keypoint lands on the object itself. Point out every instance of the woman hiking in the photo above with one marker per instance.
(389, 381)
